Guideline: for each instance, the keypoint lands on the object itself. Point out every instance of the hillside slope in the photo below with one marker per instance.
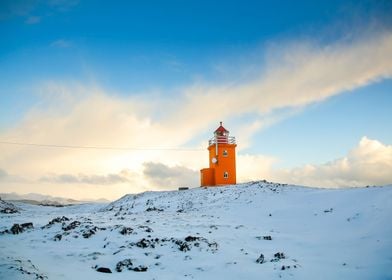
(249, 231)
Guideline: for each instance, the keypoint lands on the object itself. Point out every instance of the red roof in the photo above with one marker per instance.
(221, 128)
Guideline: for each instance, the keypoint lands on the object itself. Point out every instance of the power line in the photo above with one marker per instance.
(102, 147)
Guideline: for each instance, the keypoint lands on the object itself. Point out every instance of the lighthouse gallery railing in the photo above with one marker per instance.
(221, 140)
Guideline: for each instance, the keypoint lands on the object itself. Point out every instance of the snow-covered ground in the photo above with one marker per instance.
(251, 231)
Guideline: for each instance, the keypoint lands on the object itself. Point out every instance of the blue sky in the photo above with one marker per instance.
(161, 56)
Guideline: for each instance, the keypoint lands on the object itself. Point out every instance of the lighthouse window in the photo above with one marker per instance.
(226, 175)
(225, 153)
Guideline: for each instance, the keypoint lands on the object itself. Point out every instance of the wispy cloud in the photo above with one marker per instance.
(12, 8)
(296, 75)
(26, 8)
(110, 179)
(61, 43)
(62, 5)
(33, 20)
(6, 177)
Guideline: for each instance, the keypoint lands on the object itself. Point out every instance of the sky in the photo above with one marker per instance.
(138, 87)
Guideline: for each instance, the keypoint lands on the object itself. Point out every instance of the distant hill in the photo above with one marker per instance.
(36, 199)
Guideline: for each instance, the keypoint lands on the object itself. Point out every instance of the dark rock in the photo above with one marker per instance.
(191, 238)
(104, 270)
(280, 255)
(72, 225)
(149, 209)
(126, 230)
(16, 228)
(140, 268)
(57, 237)
(88, 233)
(213, 246)
(27, 226)
(267, 237)
(146, 228)
(55, 221)
(145, 243)
(9, 211)
(127, 263)
(182, 245)
(260, 259)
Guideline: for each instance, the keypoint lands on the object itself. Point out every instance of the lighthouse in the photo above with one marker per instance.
(222, 170)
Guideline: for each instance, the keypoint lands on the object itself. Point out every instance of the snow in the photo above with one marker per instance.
(214, 233)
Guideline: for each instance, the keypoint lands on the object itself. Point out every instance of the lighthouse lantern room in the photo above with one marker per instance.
(222, 170)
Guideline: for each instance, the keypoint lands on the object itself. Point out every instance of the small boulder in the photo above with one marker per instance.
(280, 255)
(72, 225)
(57, 237)
(27, 226)
(127, 263)
(191, 238)
(144, 243)
(126, 230)
(104, 270)
(260, 259)
(16, 229)
(140, 268)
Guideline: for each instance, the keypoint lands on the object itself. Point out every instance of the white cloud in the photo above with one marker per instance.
(370, 163)
(254, 167)
(89, 116)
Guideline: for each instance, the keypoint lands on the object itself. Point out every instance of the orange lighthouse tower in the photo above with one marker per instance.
(222, 170)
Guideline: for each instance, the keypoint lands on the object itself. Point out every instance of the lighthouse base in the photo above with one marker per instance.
(207, 177)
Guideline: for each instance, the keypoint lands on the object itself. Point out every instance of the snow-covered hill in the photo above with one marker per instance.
(257, 230)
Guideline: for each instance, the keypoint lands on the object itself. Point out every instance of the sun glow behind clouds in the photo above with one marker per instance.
(89, 115)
